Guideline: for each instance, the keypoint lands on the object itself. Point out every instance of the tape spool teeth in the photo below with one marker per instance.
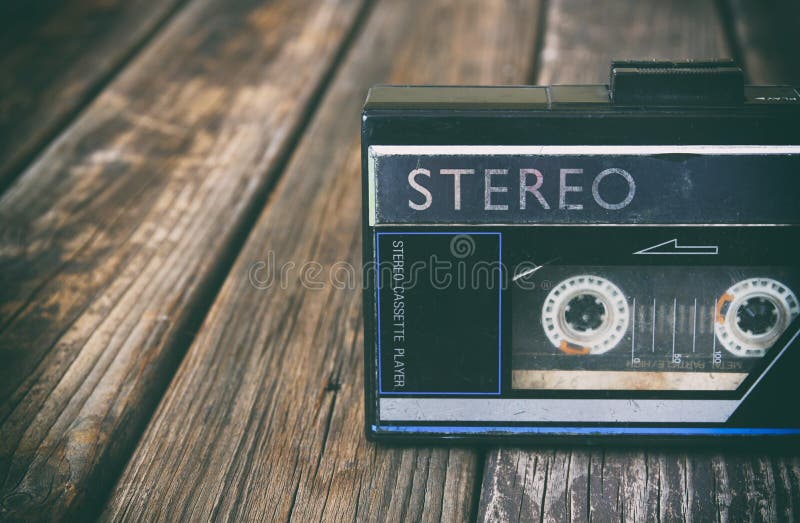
(752, 314)
(585, 314)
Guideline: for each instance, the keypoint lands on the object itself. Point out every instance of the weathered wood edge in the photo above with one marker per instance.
(264, 419)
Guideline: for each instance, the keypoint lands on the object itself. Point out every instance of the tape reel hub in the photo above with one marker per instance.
(585, 314)
(752, 315)
(757, 316)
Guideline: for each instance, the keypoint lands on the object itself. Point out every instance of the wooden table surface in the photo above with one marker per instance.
(154, 154)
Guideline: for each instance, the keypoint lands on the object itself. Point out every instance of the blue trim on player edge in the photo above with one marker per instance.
(584, 431)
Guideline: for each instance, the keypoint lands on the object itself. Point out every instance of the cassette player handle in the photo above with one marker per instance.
(714, 82)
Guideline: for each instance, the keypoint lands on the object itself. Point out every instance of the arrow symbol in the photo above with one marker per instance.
(672, 247)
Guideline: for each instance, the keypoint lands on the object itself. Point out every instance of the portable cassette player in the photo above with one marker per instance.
(583, 261)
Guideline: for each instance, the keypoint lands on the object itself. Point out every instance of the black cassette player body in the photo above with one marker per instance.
(583, 261)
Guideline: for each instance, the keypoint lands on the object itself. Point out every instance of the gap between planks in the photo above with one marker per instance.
(33, 118)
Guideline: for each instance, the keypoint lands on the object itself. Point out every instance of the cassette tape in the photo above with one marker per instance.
(583, 262)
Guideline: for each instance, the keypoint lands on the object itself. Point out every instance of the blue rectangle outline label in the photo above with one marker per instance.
(499, 313)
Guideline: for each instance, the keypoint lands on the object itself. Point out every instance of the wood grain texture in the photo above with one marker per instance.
(53, 58)
(767, 34)
(638, 485)
(113, 241)
(633, 484)
(264, 420)
(582, 38)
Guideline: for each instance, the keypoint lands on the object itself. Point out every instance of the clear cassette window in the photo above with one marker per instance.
(648, 328)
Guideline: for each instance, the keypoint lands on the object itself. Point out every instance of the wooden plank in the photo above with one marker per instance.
(117, 238)
(575, 51)
(264, 419)
(54, 56)
(638, 485)
(766, 31)
(582, 484)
